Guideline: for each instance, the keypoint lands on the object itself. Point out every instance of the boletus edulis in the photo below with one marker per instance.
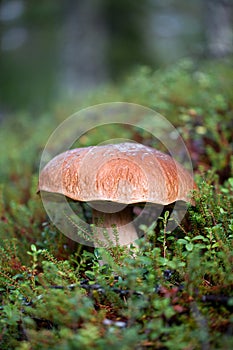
(112, 178)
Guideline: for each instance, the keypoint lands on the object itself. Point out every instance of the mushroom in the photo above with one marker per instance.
(111, 177)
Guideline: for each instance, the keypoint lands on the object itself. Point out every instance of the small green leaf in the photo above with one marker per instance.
(182, 241)
(170, 238)
(230, 180)
(163, 261)
(200, 245)
(189, 247)
(33, 248)
(90, 274)
(200, 237)
(215, 245)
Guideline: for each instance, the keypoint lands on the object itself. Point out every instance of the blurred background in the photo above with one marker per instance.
(59, 48)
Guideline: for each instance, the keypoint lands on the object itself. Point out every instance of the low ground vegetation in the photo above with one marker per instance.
(175, 291)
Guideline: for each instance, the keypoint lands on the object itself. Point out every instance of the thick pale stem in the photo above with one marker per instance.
(108, 225)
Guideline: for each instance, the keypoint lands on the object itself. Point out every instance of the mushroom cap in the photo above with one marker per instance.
(124, 173)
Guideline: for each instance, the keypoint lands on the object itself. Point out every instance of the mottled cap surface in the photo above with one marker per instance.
(124, 173)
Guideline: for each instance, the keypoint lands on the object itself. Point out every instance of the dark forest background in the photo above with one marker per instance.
(59, 48)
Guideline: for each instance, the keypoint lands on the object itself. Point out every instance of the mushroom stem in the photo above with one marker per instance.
(115, 228)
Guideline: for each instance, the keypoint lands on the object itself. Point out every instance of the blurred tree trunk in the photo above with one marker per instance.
(83, 42)
(101, 39)
(219, 33)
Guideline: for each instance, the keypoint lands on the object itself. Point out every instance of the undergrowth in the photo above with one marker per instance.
(175, 290)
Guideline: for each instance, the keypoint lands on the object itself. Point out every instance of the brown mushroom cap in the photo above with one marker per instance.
(124, 173)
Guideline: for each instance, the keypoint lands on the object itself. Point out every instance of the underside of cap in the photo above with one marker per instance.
(124, 173)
